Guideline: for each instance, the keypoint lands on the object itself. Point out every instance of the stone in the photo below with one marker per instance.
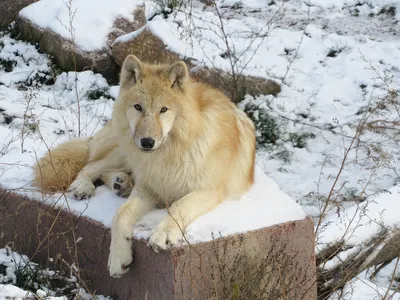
(9, 10)
(276, 261)
(65, 54)
(124, 26)
(69, 57)
(251, 85)
(145, 45)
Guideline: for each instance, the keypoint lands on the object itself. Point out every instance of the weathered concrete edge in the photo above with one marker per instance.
(258, 240)
(159, 276)
(43, 232)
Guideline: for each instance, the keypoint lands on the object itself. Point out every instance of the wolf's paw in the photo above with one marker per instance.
(81, 189)
(162, 238)
(122, 184)
(120, 258)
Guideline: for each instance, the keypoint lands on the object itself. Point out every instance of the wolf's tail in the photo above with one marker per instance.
(59, 167)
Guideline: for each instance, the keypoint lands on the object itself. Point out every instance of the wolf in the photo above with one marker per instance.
(182, 144)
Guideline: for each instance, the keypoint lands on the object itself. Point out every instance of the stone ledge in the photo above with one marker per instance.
(65, 53)
(208, 270)
(9, 10)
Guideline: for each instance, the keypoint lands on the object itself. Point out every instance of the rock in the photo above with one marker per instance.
(66, 55)
(145, 45)
(236, 88)
(70, 57)
(9, 10)
(123, 26)
(275, 262)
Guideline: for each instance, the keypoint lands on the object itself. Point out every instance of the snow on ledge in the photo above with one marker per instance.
(92, 19)
(262, 206)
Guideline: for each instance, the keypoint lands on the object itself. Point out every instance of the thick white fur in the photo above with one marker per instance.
(76, 164)
(204, 152)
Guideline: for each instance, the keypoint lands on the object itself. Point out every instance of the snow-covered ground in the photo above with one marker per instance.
(339, 61)
(21, 278)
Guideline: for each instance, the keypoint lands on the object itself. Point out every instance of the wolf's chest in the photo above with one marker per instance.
(168, 179)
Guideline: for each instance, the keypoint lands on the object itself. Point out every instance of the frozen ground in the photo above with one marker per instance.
(338, 61)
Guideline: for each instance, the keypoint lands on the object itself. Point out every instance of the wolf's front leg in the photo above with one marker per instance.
(83, 185)
(108, 168)
(119, 181)
(122, 234)
(180, 214)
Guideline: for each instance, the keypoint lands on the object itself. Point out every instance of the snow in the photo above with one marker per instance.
(28, 62)
(7, 291)
(361, 222)
(362, 288)
(37, 280)
(336, 59)
(265, 203)
(129, 36)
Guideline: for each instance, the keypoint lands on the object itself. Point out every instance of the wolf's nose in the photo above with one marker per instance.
(147, 143)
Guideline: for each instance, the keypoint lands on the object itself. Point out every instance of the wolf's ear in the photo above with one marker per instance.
(177, 74)
(131, 71)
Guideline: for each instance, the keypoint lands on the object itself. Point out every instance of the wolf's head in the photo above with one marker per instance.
(152, 97)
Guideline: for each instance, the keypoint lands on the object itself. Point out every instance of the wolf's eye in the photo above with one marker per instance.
(138, 107)
(163, 110)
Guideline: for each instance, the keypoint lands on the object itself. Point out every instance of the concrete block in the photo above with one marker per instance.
(275, 262)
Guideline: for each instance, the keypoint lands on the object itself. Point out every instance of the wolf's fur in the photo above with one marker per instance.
(203, 153)
(78, 163)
